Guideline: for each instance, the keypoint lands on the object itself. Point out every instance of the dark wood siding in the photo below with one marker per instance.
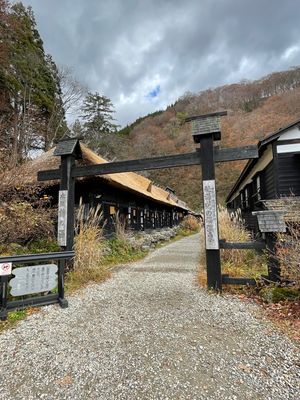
(268, 190)
(250, 221)
(289, 174)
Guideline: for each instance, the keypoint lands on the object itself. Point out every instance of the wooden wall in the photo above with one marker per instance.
(289, 174)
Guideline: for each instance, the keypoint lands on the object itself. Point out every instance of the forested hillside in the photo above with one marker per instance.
(255, 109)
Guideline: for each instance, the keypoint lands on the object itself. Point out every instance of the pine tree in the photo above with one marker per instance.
(30, 87)
(97, 119)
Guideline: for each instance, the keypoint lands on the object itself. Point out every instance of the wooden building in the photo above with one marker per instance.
(138, 202)
(273, 180)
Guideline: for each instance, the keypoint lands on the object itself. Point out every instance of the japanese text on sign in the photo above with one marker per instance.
(210, 215)
(62, 218)
(33, 279)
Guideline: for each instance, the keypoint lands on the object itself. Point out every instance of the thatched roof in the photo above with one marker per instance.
(27, 175)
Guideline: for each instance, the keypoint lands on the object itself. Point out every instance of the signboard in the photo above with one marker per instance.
(62, 217)
(210, 215)
(5, 269)
(271, 220)
(33, 279)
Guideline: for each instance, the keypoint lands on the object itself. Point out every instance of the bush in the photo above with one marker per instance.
(277, 294)
(190, 223)
(35, 247)
(21, 223)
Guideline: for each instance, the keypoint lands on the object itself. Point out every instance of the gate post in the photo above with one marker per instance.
(205, 130)
(69, 150)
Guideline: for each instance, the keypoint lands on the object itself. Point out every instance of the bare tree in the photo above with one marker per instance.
(73, 91)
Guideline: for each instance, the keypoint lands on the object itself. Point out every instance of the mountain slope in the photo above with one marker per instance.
(255, 109)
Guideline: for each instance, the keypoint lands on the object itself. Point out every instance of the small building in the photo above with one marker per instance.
(272, 181)
(138, 202)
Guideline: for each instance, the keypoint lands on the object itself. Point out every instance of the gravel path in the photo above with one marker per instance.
(149, 333)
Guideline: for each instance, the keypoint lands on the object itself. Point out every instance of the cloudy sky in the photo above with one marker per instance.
(144, 54)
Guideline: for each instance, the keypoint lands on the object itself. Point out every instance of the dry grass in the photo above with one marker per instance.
(89, 249)
(287, 251)
(231, 226)
(236, 263)
(120, 228)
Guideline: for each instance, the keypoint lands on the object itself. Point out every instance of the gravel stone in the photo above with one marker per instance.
(149, 333)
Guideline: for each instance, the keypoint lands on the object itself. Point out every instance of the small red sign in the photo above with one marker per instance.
(5, 269)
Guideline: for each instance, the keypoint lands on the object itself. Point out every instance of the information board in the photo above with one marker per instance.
(210, 215)
(62, 217)
(33, 279)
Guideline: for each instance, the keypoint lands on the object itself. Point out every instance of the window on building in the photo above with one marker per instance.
(258, 187)
(112, 210)
(246, 197)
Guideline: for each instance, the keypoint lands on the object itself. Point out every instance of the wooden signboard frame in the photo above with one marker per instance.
(7, 304)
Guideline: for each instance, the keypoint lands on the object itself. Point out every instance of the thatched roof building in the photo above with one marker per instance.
(123, 191)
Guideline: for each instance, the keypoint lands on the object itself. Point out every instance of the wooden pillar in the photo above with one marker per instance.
(68, 150)
(67, 191)
(273, 263)
(206, 129)
(142, 214)
(213, 259)
(171, 219)
(129, 218)
(61, 285)
(3, 297)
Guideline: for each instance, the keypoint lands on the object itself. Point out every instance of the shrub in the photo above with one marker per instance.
(21, 223)
(190, 223)
(277, 294)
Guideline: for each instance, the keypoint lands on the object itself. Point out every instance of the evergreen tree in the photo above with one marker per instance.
(97, 113)
(97, 119)
(30, 88)
(77, 129)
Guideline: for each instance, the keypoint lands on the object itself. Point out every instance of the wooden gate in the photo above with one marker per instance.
(205, 130)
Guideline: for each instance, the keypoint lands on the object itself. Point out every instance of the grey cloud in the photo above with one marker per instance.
(125, 48)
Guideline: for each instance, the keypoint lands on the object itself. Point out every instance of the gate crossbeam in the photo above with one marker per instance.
(177, 160)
